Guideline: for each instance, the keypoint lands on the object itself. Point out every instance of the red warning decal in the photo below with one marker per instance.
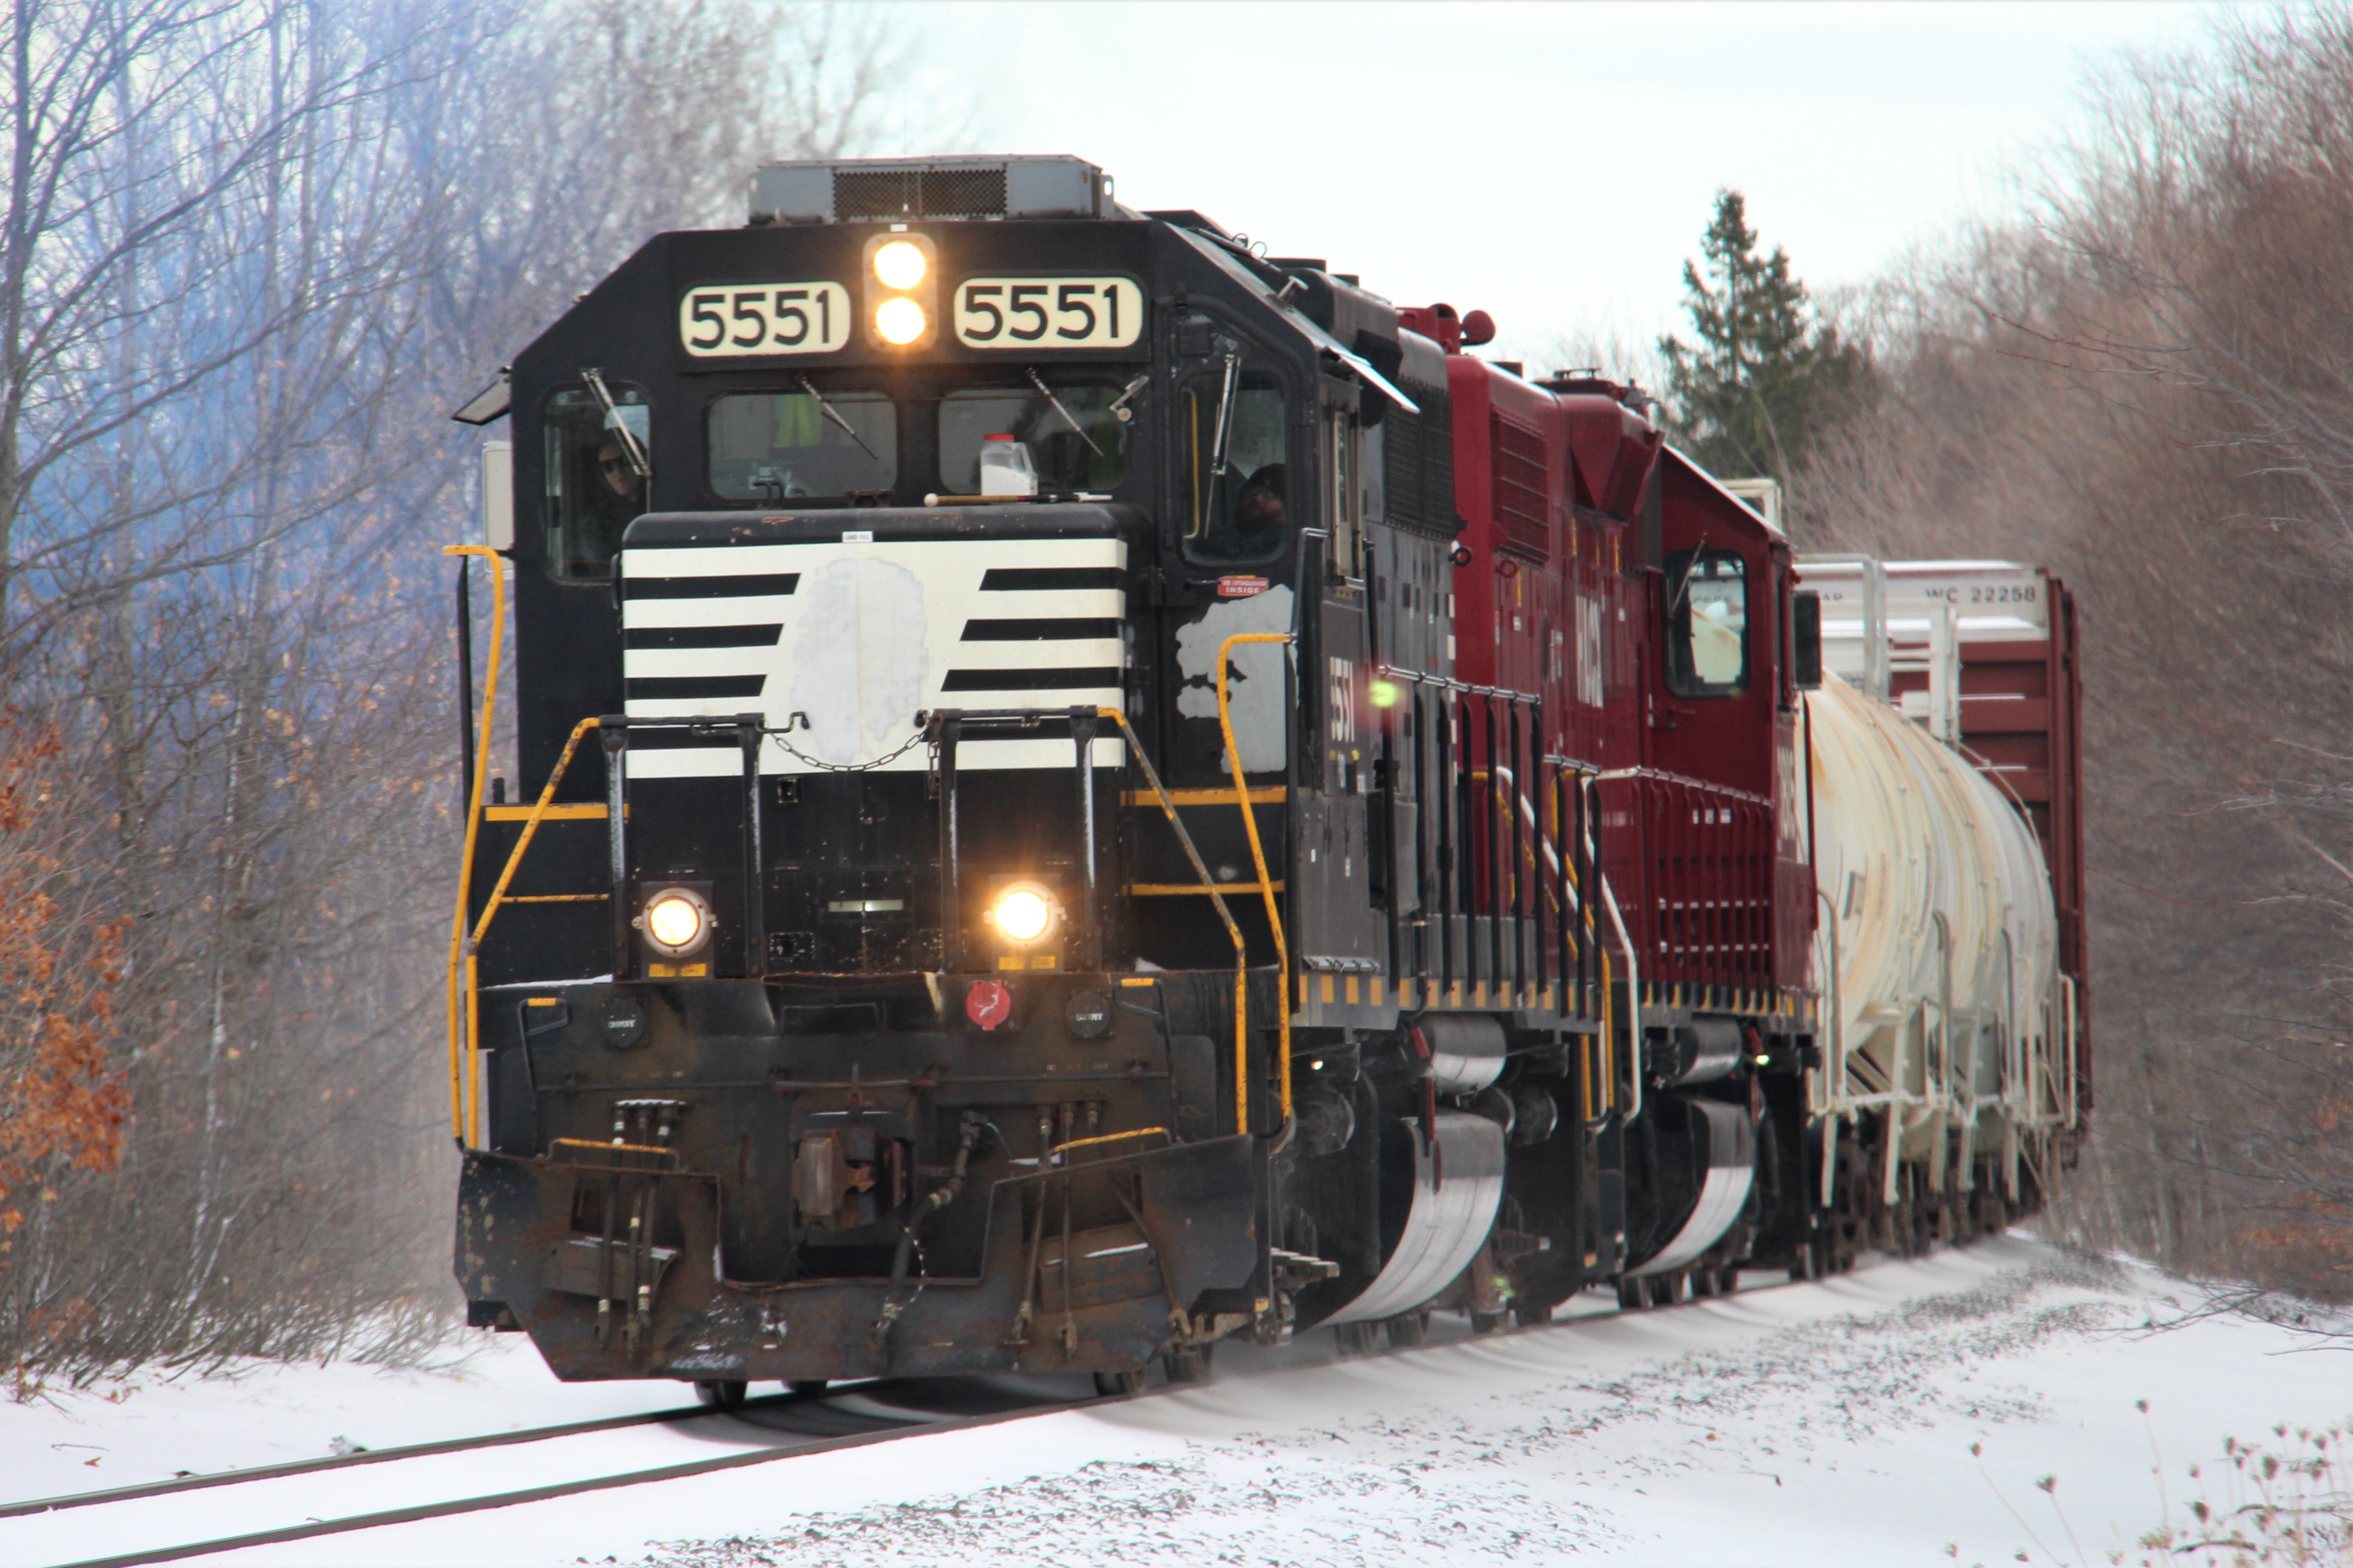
(988, 1004)
(1240, 587)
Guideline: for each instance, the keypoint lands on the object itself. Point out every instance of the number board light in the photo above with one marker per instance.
(1032, 313)
(741, 321)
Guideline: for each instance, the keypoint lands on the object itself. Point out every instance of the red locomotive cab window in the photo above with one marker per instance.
(1707, 624)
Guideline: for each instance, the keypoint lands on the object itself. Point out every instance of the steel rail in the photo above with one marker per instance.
(379, 1456)
(415, 1512)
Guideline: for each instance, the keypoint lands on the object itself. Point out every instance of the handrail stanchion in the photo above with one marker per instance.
(1265, 882)
(458, 982)
(615, 738)
(948, 729)
(755, 913)
(1082, 736)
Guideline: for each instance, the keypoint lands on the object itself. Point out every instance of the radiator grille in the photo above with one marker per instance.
(1417, 455)
(1518, 456)
(918, 192)
(964, 193)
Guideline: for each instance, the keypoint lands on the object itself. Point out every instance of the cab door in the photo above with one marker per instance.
(1341, 934)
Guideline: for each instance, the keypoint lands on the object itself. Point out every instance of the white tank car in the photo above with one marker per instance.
(1938, 958)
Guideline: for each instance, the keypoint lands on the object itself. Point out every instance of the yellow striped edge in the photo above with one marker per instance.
(1270, 795)
(1172, 889)
(565, 811)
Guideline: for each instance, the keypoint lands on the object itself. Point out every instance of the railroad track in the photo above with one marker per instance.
(163, 1521)
(167, 1521)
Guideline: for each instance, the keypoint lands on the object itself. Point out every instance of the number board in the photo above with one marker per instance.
(740, 320)
(1049, 312)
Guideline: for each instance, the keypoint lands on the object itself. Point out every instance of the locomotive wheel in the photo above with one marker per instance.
(1186, 1363)
(1356, 1338)
(1702, 1283)
(1408, 1329)
(722, 1393)
(1489, 1322)
(1531, 1316)
(1806, 1264)
(806, 1387)
(1670, 1290)
(1632, 1297)
(1727, 1279)
(1112, 1385)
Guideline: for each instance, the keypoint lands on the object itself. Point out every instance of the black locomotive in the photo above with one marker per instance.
(1086, 790)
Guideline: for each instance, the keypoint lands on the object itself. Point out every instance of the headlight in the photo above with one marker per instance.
(676, 922)
(899, 322)
(900, 264)
(1023, 912)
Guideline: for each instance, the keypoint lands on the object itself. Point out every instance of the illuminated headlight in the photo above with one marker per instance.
(899, 322)
(900, 264)
(676, 923)
(1023, 913)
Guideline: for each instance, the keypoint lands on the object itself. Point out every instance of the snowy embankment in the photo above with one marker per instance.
(1820, 1423)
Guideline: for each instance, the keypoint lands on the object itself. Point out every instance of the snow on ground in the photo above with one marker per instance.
(1822, 1424)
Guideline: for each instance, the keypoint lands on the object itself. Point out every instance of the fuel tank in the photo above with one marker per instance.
(1939, 904)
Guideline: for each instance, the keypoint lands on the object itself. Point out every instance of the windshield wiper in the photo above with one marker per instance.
(630, 449)
(1049, 393)
(1699, 553)
(828, 410)
(1225, 422)
(1119, 406)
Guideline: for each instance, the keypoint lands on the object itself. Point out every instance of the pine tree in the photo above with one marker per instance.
(1766, 375)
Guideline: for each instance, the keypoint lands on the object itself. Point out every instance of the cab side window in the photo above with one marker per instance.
(1344, 483)
(592, 487)
(1239, 510)
(1707, 624)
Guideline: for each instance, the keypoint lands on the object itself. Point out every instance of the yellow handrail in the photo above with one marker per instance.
(473, 823)
(1108, 1138)
(472, 944)
(1258, 858)
(1242, 949)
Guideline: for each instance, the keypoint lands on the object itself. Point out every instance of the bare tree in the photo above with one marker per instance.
(2148, 386)
(254, 251)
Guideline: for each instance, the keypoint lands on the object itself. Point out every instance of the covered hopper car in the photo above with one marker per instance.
(1086, 790)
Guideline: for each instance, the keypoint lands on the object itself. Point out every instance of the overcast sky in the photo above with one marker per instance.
(1553, 164)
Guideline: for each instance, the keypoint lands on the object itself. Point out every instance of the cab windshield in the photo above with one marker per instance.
(1080, 446)
(779, 446)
